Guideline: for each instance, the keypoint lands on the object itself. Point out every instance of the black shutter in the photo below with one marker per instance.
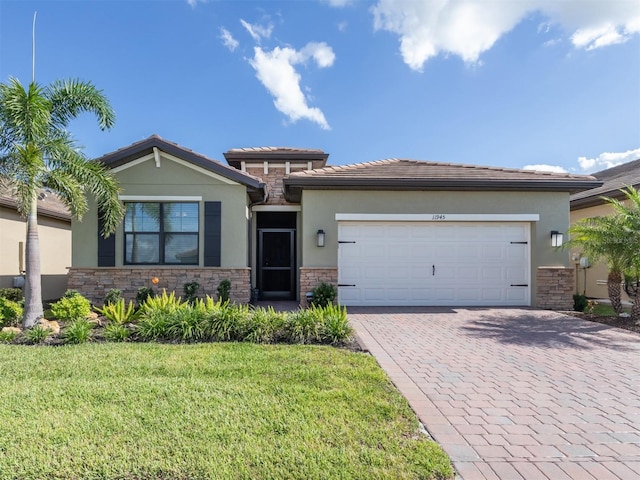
(106, 246)
(212, 231)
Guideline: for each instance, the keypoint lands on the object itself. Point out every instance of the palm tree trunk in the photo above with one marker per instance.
(635, 309)
(33, 287)
(615, 292)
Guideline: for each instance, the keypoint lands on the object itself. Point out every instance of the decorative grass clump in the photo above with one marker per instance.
(201, 411)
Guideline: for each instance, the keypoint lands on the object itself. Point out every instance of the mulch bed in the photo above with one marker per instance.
(625, 323)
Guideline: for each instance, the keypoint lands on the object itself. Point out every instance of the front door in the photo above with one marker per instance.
(276, 263)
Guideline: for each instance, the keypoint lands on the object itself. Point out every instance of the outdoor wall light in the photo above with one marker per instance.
(556, 238)
(320, 238)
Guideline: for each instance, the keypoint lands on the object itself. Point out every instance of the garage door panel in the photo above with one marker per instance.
(393, 263)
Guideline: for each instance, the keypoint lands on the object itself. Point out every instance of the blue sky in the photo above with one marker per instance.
(508, 84)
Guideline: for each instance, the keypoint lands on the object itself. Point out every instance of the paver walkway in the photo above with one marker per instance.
(514, 393)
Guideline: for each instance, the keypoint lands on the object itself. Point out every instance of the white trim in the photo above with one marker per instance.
(438, 217)
(156, 156)
(276, 208)
(132, 163)
(265, 167)
(201, 170)
(287, 168)
(159, 198)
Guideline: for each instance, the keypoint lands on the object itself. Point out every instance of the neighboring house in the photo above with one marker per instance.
(277, 221)
(54, 232)
(592, 281)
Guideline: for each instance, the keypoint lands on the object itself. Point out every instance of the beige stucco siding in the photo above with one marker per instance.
(55, 251)
(319, 208)
(173, 179)
(596, 275)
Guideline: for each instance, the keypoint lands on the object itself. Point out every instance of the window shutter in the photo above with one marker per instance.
(106, 247)
(212, 231)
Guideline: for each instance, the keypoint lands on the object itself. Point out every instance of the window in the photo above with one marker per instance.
(161, 233)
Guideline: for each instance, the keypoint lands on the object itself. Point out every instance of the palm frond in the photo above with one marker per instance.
(73, 97)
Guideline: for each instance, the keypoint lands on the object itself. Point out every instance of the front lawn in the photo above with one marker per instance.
(205, 411)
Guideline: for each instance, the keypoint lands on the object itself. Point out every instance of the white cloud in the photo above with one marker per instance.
(257, 32)
(541, 167)
(275, 70)
(228, 40)
(468, 28)
(193, 3)
(608, 160)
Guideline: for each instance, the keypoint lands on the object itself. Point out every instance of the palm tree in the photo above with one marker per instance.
(36, 151)
(603, 238)
(628, 211)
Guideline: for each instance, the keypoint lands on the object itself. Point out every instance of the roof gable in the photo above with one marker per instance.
(136, 152)
(404, 174)
(614, 179)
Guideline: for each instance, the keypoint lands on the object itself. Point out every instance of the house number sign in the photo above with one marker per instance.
(438, 216)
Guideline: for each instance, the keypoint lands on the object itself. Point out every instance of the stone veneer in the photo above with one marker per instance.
(274, 180)
(94, 283)
(311, 277)
(556, 286)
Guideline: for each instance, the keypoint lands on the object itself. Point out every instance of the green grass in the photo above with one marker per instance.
(605, 310)
(205, 411)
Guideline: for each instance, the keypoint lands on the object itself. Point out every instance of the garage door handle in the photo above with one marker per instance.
(519, 243)
(346, 284)
(346, 241)
(519, 284)
(433, 270)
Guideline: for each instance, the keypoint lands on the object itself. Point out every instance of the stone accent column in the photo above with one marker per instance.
(94, 283)
(555, 289)
(311, 277)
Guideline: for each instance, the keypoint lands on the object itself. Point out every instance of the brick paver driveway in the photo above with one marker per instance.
(515, 393)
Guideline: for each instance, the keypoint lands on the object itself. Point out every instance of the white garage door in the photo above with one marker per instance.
(431, 263)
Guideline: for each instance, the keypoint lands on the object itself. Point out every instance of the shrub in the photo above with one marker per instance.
(37, 334)
(224, 287)
(304, 326)
(13, 294)
(191, 291)
(78, 331)
(8, 336)
(10, 312)
(71, 306)
(113, 296)
(143, 294)
(165, 303)
(185, 325)
(264, 325)
(70, 293)
(335, 324)
(152, 325)
(119, 313)
(227, 323)
(579, 302)
(115, 332)
(323, 295)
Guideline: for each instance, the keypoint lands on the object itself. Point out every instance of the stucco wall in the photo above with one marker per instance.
(55, 250)
(319, 208)
(596, 275)
(173, 179)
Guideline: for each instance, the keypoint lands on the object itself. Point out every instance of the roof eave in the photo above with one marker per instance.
(121, 157)
(572, 186)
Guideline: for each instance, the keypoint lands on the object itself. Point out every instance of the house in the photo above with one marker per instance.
(592, 280)
(54, 232)
(279, 221)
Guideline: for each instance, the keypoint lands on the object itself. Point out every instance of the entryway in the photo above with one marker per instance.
(276, 255)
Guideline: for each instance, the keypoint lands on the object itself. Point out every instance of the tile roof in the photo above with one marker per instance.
(614, 179)
(49, 204)
(275, 150)
(396, 173)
